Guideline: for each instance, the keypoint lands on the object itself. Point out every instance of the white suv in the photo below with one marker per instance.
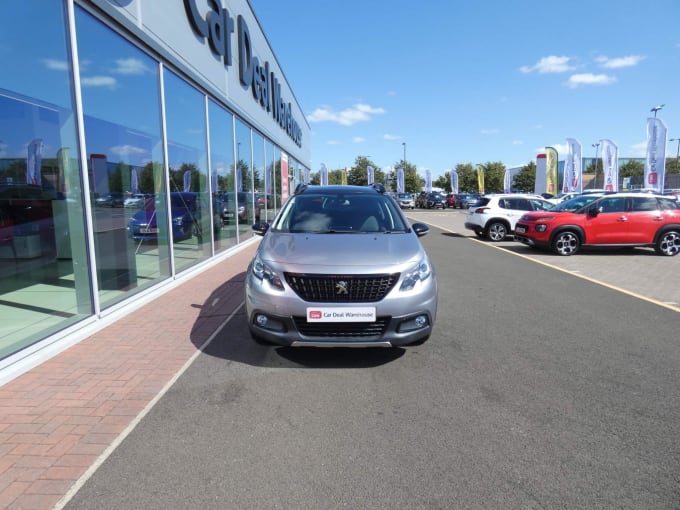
(495, 216)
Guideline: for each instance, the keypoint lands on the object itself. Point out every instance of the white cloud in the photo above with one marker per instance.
(130, 66)
(358, 139)
(56, 65)
(128, 150)
(358, 113)
(518, 142)
(489, 131)
(576, 80)
(387, 136)
(551, 64)
(617, 63)
(639, 150)
(98, 81)
(332, 142)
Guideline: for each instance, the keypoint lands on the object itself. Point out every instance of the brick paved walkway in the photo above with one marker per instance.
(59, 418)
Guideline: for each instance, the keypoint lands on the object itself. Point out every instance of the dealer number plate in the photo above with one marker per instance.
(341, 314)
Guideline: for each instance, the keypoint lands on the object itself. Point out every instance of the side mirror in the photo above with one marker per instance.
(260, 229)
(594, 211)
(420, 229)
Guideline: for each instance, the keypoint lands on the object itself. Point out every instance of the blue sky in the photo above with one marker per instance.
(476, 81)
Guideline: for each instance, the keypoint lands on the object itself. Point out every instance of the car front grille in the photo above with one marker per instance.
(342, 329)
(326, 288)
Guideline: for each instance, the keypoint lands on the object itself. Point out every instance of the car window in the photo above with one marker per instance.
(355, 212)
(520, 204)
(540, 205)
(612, 205)
(644, 204)
(666, 204)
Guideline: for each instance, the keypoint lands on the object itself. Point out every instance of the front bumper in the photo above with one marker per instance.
(285, 318)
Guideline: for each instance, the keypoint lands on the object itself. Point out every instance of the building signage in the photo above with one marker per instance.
(217, 26)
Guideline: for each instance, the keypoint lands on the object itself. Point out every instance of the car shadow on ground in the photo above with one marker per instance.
(583, 252)
(232, 341)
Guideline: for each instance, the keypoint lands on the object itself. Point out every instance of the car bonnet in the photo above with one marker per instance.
(372, 251)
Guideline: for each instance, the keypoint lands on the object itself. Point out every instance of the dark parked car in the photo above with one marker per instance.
(465, 200)
(186, 216)
(421, 199)
(436, 200)
(110, 200)
(230, 208)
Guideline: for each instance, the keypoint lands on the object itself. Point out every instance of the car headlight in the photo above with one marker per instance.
(420, 272)
(263, 272)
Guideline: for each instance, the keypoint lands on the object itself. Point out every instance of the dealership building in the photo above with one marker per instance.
(138, 143)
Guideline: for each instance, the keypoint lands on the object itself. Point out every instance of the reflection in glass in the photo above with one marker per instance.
(244, 182)
(270, 184)
(259, 175)
(44, 279)
(222, 174)
(188, 172)
(123, 142)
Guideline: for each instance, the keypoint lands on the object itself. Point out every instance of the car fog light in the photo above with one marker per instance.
(541, 228)
(269, 323)
(415, 323)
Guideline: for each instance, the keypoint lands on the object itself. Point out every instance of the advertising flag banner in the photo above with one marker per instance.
(400, 180)
(454, 182)
(541, 172)
(187, 180)
(343, 178)
(428, 181)
(369, 175)
(480, 179)
(285, 184)
(655, 165)
(323, 175)
(507, 177)
(610, 165)
(551, 171)
(34, 162)
(134, 181)
(573, 168)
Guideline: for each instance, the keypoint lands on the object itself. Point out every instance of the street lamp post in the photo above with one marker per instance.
(596, 145)
(656, 109)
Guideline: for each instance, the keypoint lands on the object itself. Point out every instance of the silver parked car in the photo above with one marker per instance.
(340, 266)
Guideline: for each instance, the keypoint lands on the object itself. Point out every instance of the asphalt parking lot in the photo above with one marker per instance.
(637, 271)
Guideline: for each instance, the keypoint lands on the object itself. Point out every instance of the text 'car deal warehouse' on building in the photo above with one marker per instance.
(138, 143)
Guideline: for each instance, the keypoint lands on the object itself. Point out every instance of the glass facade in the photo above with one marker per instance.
(116, 172)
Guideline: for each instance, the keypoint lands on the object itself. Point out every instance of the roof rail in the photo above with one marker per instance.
(300, 188)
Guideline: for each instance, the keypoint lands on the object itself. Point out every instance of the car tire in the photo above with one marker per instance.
(668, 243)
(566, 243)
(496, 231)
(479, 232)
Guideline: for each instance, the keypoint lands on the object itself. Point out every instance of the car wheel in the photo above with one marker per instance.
(496, 231)
(668, 243)
(566, 243)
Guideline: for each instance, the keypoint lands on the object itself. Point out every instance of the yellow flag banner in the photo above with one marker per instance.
(551, 171)
(480, 178)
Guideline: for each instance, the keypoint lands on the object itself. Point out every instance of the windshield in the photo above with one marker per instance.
(340, 213)
(575, 203)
